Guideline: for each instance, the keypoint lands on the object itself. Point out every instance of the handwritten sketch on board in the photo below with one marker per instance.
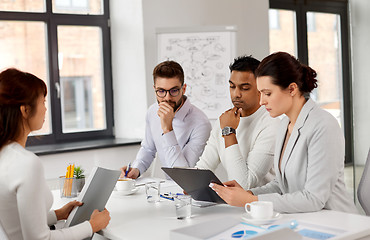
(205, 57)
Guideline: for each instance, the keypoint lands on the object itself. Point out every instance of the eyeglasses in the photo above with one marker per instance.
(174, 92)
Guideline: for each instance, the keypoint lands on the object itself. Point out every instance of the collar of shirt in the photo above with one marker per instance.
(260, 111)
(183, 111)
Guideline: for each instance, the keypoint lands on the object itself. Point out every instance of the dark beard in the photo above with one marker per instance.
(178, 104)
(175, 105)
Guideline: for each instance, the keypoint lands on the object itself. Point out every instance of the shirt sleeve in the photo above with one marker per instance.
(249, 171)
(325, 156)
(189, 155)
(52, 218)
(210, 158)
(147, 151)
(33, 214)
(271, 187)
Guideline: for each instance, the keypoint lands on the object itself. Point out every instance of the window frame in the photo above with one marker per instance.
(340, 7)
(52, 21)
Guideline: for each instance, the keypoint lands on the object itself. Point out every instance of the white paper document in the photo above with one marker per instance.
(230, 229)
(307, 231)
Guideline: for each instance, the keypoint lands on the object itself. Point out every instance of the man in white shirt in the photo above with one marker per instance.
(243, 139)
(175, 129)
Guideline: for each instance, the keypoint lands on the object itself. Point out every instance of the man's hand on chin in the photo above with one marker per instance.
(166, 114)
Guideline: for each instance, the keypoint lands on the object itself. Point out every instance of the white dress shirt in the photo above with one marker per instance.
(26, 199)
(250, 161)
(179, 148)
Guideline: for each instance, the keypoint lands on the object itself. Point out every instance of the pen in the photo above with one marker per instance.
(127, 169)
(292, 225)
(176, 194)
(166, 197)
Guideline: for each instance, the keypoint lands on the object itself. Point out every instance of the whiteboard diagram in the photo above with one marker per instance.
(205, 57)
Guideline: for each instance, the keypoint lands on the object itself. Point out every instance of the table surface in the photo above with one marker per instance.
(132, 217)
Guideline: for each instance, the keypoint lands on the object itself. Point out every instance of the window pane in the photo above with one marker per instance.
(22, 5)
(81, 78)
(282, 31)
(78, 6)
(22, 46)
(324, 54)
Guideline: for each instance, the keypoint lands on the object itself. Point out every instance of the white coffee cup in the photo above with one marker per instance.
(125, 184)
(260, 209)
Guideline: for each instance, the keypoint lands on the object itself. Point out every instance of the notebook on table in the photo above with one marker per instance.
(196, 182)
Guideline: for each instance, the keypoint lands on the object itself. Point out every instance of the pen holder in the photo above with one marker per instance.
(68, 187)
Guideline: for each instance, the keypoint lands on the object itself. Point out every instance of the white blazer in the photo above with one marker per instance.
(312, 167)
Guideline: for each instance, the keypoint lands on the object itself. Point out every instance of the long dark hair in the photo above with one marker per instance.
(286, 69)
(17, 88)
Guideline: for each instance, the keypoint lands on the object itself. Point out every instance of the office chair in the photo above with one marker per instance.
(363, 191)
(3, 235)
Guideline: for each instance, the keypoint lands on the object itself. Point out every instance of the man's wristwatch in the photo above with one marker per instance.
(227, 131)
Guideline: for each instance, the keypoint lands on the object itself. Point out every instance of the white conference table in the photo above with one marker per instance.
(132, 217)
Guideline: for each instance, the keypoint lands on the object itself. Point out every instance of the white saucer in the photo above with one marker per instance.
(128, 192)
(246, 217)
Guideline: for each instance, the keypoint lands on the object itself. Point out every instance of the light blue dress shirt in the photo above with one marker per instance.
(181, 147)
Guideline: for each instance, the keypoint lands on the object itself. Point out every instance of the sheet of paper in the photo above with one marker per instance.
(240, 230)
(311, 231)
(308, 231)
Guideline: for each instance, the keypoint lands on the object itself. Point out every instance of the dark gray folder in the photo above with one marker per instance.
(94, 194)
(195, 182)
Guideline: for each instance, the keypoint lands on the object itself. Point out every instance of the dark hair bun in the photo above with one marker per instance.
(309, 81)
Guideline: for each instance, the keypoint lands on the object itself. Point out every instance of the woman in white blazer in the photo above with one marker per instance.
(25, 197)
(309, 151)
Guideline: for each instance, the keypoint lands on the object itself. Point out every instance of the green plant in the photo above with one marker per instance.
(78, 172)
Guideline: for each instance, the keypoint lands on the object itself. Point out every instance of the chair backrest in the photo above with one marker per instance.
(363, 191)
(3, 235)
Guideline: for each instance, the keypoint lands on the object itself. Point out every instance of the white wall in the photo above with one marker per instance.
(55, 165)
(250, 17)
(360, 37)
(128, 68)
(112, 158)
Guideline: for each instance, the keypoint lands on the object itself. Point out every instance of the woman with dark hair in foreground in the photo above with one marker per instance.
(25, 198)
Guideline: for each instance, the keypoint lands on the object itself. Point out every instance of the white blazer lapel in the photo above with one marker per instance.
(279, 145)
(288, 150)
(307, 107)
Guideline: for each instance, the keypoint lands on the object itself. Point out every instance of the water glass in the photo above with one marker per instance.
(183, 206)
(152, 190)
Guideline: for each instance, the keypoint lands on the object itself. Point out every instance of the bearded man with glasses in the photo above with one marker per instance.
(175, 129)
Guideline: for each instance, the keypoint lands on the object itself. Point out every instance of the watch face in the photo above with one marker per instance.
(227, 131)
